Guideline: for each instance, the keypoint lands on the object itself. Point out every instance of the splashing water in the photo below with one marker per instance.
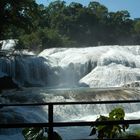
(104, 66)
(94, 67)
(63, 113)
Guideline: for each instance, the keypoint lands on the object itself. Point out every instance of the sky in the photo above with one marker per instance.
(133, 6)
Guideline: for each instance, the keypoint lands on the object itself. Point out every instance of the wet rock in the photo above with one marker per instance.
(7, 82)
(132, 84)
(83, 85)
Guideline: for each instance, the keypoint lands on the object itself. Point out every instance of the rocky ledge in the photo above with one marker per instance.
(6, 82)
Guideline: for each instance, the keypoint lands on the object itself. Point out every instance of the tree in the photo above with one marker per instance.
(98, 29)
(44, 38)
(99, 10)
(136, 32)
(60, 24)
(15, 13)
(119, 27)
(56, 12)
(137, 27)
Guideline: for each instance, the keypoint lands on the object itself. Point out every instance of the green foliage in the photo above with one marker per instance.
(135, 134)
(65, 25)
(110, 131)
(16, 14)
(137, 27)
(38, 134)
(34, 134)
(131, 136)
(44, 38)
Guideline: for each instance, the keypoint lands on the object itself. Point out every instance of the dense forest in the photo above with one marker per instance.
(61, 25)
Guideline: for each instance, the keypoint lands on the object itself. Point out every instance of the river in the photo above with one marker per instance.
(67, 112)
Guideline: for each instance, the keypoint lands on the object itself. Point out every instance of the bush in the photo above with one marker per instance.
(45, 38)
(110, 131)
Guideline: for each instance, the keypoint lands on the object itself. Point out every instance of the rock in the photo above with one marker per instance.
(83, 85)
(132, 84)
(7, 82)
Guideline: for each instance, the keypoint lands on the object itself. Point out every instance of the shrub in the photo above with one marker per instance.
(110, 131)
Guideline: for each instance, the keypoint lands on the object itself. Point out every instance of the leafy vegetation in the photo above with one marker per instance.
(61, 25)
(38, 134)
(110, 131)
(129, 136)
(34, 134)
(102, 131)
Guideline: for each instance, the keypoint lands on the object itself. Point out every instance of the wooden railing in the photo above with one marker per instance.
(51, 124)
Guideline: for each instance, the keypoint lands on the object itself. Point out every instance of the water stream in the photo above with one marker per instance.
(67, 112)
(70, 74)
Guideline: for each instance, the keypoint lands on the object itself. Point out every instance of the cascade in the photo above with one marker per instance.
(37, 95)
(103, 66)
(99, 68)
(63, 113)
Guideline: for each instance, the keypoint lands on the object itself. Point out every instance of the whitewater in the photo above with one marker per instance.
(70, 74)
(103, 66)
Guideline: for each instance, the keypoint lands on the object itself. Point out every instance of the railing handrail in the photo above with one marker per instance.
(71, 103)
(70, 124)
(51, 124)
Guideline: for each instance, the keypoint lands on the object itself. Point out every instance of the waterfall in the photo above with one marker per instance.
(27, 71)
(96, 67)
(65, 112)
(103, 66)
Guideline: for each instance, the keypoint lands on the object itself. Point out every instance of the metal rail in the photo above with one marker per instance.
(51, 124)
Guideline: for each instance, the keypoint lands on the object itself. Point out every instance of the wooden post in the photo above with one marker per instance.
(50, 119)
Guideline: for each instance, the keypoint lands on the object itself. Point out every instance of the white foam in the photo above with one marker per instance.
(8, 44)
(103, 66)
